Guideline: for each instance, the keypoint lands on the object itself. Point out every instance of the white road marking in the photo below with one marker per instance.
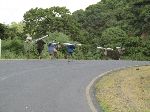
(3, 78)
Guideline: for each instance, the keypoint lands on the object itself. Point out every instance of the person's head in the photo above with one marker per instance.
(29, 38)
(49, 44)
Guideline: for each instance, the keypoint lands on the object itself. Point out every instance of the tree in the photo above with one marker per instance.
(32, 20)
(113, 37)
(40, 21)
(3, 31)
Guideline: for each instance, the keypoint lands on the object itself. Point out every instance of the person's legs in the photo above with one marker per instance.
(39, 53)
(69, 56)
(50, 56)
(28, 55)
(50, 51)
(55, 54)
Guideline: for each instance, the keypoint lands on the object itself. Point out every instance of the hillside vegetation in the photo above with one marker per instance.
(109, 23)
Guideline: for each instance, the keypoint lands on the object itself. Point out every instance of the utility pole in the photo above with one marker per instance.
(0, 49)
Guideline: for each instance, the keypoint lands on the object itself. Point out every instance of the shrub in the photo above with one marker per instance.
(113, 35)
(12, 48)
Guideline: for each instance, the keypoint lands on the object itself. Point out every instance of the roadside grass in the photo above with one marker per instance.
(126, 90)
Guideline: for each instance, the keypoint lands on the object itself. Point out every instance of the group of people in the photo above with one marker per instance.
(114, 53)
(53, 48)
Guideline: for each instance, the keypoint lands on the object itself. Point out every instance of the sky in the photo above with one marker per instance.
(13, 10)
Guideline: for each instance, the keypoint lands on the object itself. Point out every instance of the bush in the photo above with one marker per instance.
(12, 48)
(113, 36)
(14, 45)
(6, 54)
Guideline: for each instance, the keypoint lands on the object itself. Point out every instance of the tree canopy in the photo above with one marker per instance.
(113, 23)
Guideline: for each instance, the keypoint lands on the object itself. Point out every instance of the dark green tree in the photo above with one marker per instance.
(3, 31)
(40, 21)
(113, 37)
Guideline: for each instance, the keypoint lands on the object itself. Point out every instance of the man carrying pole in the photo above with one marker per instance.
(40, 45)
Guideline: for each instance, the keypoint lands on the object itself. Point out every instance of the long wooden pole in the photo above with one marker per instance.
(41, 38)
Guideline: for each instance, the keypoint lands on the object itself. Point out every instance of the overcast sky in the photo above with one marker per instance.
(13, 10)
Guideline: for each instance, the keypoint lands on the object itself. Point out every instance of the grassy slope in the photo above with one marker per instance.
(125, 91)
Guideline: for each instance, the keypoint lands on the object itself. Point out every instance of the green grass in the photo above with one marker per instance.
(125, 90)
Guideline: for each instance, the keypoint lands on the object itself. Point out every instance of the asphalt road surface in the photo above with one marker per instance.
(50, 86)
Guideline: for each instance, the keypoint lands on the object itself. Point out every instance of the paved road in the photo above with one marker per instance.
(50, 86)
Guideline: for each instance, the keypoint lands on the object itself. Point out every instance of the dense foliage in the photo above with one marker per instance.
(109, 23)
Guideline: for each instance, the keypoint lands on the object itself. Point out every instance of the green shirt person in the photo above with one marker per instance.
(28, 46)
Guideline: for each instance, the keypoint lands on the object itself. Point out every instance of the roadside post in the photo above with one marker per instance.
(0, 49)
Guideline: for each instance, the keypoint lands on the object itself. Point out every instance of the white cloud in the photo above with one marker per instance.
(13, 10)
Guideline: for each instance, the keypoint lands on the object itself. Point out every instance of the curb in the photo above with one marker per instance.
(91, 100)
(21, 59)
(89, 91)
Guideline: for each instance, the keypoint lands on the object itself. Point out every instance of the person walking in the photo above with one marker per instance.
(52, 49)
(70, 49)
(28, 46)
(40, 46)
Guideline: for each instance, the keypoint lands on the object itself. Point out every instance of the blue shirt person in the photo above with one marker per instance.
(70, 49)
(52, 49)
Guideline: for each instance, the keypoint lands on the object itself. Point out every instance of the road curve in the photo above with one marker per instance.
(50, 86)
